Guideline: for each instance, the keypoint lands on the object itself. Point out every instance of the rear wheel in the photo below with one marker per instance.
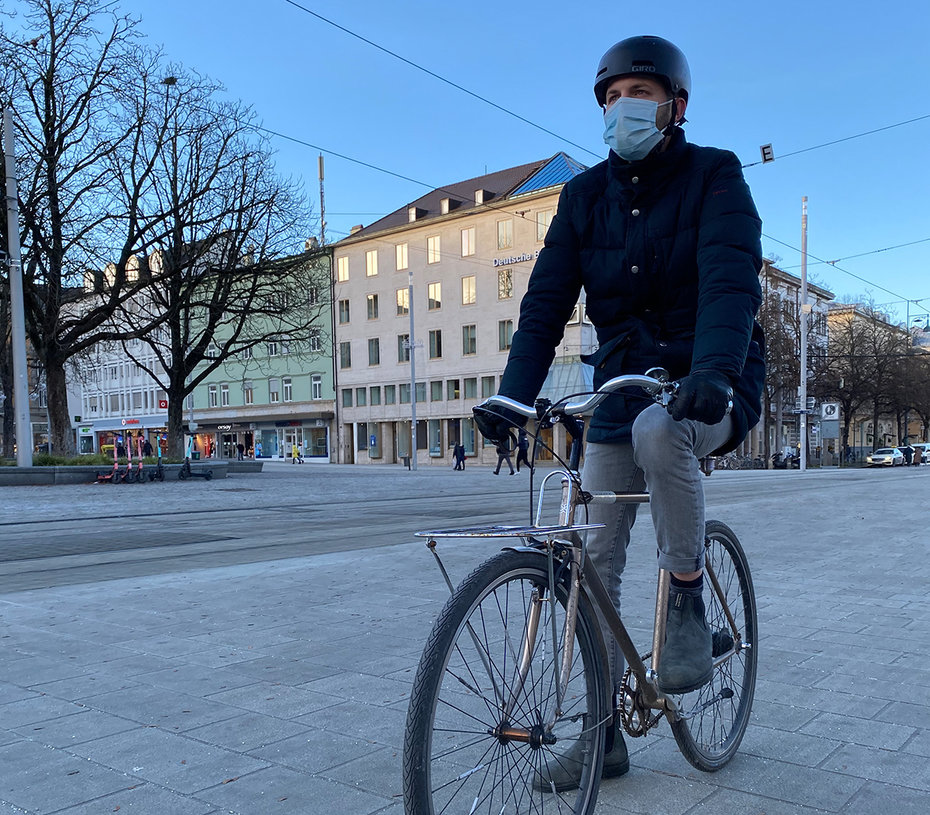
(481, 738)
(714, 717)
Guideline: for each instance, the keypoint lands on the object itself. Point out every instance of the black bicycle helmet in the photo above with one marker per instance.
(652, 56)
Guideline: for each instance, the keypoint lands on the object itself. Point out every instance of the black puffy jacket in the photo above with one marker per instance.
(668, 250)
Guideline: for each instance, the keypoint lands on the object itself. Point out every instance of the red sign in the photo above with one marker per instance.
(162, 404)
(131, 421)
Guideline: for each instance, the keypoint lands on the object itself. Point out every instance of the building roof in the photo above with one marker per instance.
(497, 186)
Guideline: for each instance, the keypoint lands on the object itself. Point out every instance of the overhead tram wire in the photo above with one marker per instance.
(546, 130)
(901, 297)
(490, 206)
(441, 78)
(861, 254)
(844, 139)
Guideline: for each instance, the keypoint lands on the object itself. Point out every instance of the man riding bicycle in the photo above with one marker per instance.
(666, 241)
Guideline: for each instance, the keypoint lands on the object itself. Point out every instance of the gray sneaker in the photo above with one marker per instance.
(564, 771)
(686, 663)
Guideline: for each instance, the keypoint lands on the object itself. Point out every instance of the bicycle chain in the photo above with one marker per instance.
(637, 719)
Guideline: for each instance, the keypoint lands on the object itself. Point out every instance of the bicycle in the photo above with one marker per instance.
(508, 678)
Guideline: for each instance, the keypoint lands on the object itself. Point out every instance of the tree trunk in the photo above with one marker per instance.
(175, 425)
(61, 434)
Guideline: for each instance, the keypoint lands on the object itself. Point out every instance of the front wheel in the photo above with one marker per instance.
(483, 735)
(714, 717)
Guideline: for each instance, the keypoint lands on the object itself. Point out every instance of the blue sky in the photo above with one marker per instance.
(796, 74)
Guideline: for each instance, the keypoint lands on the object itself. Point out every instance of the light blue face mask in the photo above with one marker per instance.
(630, 127)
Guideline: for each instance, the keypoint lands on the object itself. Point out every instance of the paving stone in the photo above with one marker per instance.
(247, 732)
(286, 792)
(314, 751)
(40, 779)
(854, 730)
(81, 727)
(282, 701)
(168, 759)
(885, 766)
(143, 799)
(162, 707)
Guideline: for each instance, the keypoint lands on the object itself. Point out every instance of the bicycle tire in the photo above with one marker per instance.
(716, 721)
(452, 760)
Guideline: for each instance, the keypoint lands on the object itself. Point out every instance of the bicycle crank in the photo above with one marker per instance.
(635, 716)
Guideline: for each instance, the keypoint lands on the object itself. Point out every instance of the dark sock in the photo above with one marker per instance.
(697, 583)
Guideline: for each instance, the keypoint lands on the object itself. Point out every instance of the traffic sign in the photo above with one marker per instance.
(830, 410)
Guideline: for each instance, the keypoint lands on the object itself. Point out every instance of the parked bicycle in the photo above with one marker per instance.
(514, 672)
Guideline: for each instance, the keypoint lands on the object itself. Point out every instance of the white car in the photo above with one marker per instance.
(887, 456)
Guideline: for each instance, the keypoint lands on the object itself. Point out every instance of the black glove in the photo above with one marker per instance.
(704, 396)
(497, 424)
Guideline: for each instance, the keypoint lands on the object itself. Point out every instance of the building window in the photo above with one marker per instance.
(372, 301)
(313, 296)
(246, 353)
(403, 302)
(343, 312)
(468, 242)
(435, 343)
(371, 262)
(432, 249)
(469, 290)
(543, 219)
(345, 354)
(452, 389)
(471, 388)
(374, 351)
(403, 348)
(435, 391)
(212, 351)
(248, 393)
(374, 395)
(390, 392)
(285, 345)
(288, 388)
(504, 284)
(434, 296)
(421, 391)
(361, 437)
(487, 386)
(504, 334)
(342, 269)
(315, 339)
(400, 256)
(316, 386)
(211, 396)
(505, 234)
(404, 393)
(469, 340)
(274, 391)
(224, 395)
(347, 397)
(273, 348)
(361, 397)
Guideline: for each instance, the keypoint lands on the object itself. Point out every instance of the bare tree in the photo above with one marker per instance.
(223, 276)
(67, 75)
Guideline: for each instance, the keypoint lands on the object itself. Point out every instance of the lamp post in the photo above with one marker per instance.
(17, 315)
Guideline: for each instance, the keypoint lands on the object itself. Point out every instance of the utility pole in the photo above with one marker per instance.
(805, 313)
(322, 206)
(413, 375)
(17, 314)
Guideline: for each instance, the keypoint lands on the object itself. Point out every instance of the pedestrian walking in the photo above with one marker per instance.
(503, 454)
(665, 240)
(240, 452)
(523, 446)
(258, 449)
(458, 456)
(147, 448)
(295, 454)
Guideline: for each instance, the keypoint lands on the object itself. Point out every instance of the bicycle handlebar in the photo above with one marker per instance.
(663, 391)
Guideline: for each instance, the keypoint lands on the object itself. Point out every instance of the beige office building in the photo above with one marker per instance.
(465, 252)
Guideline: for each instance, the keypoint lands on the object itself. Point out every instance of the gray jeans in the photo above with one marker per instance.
(663, 459)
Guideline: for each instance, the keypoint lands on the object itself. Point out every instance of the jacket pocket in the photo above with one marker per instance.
(605, 353)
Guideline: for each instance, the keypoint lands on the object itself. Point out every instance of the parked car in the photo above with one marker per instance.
(924, 448)
(885, 456)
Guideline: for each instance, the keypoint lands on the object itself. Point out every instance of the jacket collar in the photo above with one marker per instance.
(657, 165)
